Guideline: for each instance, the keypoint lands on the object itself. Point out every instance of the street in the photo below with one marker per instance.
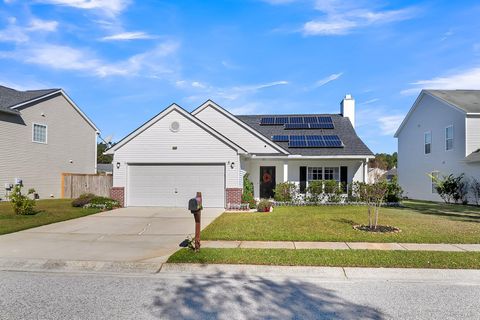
(236, 295)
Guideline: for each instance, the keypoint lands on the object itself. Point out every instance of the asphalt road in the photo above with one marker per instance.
(217, 295)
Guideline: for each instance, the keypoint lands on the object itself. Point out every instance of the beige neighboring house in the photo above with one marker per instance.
(43, 134)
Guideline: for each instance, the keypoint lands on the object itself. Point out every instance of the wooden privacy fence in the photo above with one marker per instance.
(74, 184)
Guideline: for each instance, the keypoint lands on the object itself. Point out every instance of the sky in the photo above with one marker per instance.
(124, 61)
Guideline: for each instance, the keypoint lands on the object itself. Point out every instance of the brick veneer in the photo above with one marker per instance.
(118, 193)
(234, 195)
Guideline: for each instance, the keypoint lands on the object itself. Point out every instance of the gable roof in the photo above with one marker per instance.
(234, 118)
(11, 100)
(186, 114)
(467, 100)
(353, 145)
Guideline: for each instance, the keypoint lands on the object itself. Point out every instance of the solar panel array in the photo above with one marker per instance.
(298, 122)
(310, 141)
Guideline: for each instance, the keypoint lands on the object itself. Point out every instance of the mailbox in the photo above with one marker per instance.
(195, 204)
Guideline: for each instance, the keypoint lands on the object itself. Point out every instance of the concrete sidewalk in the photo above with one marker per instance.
(342, 245)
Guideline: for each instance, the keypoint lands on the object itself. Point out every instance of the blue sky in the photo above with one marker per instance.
(124, 61)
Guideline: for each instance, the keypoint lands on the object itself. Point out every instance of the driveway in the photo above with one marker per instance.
(136, 234)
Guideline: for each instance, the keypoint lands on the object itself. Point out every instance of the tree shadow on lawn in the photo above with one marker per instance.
(454, 212)
(252, 297)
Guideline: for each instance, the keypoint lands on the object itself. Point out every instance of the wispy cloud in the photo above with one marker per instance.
(330, 78)
(381, 120)
(467, 79)
(390, 124)
(21, 33)
(150, 63)
(368, 101)
(125, 36)
(42, 25)
(109, 7)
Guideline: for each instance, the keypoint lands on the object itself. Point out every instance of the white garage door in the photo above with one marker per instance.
(174, 185)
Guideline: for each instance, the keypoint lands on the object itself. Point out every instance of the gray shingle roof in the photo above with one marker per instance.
(353, 145)
(467, 100)
(11, 97)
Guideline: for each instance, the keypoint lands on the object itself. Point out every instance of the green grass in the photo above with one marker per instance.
(48, 211)
(332, 258)
(420, 222)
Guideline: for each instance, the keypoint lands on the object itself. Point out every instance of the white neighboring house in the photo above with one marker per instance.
(440, 135)
(43, 134)
(177, 153)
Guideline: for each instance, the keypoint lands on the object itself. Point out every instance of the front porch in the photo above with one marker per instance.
(266, 172)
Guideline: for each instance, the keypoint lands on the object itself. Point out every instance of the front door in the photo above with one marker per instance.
(267, 182)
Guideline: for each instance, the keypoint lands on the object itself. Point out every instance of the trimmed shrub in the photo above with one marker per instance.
(333, 190)
(285, 191)
(247, 195)
(264, 206)
(394, 191)
(103, 203)
(21, 203)
(315, 191)
(83, 199)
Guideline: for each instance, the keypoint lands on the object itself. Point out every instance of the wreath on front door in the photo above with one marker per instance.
(267, 177)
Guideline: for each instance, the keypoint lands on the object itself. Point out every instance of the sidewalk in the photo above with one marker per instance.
(341, 245)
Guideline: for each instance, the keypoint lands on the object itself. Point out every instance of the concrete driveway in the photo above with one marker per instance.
(137, 234)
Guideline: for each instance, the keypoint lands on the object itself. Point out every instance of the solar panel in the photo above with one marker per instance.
(280, 138)
(267, 121)
(290, 126)
(310, 119)
(332, 141)
(296, 119)
(281, 120)
(297, 138)
(297, 144)
(321, 126)
(324, 119)
(314, 141)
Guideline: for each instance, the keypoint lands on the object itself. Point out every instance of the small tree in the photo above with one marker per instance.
(376, 194)
(451, 188)
(247, 195)
(475, 189)
(21, 203)
(315, 191)
(285, 191)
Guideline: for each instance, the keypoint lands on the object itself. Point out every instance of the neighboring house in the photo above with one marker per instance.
(390, 174)
(105, 168)
(374, 174)
(176, 153)
(440, 135)
(43, 134)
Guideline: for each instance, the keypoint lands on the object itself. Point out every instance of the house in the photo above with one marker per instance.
(439, 136)
(176, 153)
(374, 174)
(104, 168)
(43, 134)
(390, 174)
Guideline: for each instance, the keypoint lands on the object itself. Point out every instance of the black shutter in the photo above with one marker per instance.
(303, 179)
(344, 177)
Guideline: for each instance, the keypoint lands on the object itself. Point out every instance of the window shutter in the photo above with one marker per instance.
(303, 179)
(344, 177)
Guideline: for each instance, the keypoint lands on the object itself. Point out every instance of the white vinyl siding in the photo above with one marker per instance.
(427, 139)
(449, 138)
(39, 133)
(435, 175)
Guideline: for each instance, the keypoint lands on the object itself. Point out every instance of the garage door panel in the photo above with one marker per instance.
(174, 185)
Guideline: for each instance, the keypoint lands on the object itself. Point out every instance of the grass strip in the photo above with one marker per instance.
(331, 258)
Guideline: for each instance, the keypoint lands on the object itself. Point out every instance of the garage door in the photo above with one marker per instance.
(174, 185)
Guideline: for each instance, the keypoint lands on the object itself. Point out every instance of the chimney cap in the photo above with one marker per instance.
(348, 96)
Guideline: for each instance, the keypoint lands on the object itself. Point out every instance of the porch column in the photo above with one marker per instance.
(365, 171)
(285, 171)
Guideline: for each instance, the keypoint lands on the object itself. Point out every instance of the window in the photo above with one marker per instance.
(332, 173)
(427, 139)
(315, 173)
(435, 175)
(449, 138)
(39, 133)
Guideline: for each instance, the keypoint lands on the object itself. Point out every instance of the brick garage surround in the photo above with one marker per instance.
(234, 195)
(118, 193)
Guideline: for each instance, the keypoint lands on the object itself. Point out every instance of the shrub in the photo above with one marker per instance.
(475, 188)
(315, 191)
(285, 191)
(103, 203)
(394, 191)
(21, 203)
(264, 206)
(451, 188)
(247, 195)
(83, 199)
(333, 190)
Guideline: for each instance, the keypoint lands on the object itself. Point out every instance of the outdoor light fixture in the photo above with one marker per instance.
(232, 165)
(118, 165)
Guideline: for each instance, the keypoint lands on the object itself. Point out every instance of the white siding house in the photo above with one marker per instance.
(440, 135)
(42, 135)
(176, 153)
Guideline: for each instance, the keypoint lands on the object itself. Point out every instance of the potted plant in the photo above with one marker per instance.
(264, 206)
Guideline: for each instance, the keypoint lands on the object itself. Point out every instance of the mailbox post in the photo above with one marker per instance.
(195, 207)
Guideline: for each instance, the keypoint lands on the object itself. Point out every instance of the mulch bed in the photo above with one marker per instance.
(379, 229)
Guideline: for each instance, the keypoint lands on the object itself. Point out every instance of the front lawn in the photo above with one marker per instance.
(49, 211)
(420, 222)
(332, 258)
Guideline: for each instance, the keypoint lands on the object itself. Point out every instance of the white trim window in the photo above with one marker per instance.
(332, 173)
(449, 138)
(315, 174)
(435, 175)
(427, 140)
(39, 133)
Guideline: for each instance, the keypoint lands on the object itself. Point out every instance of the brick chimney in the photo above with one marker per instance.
(347, 108)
